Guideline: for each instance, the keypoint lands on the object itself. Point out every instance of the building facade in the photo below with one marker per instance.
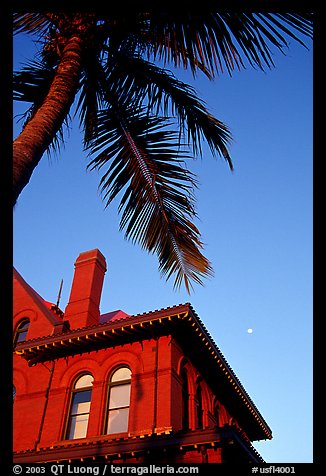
(121, 388)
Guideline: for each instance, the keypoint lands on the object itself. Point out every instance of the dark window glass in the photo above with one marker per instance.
(21, 331)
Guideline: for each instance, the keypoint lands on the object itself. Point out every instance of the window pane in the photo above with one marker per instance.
(84, 381)
(121, 374)
(81, 403)
(118, 421)
(120, 396)
(79, 408)
(78, 427)
(24, 325)
(21, 336)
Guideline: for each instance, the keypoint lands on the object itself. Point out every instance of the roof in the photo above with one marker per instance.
(50, 310)
(183, 323)
(113, 316)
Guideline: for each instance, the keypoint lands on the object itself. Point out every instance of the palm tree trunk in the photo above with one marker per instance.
(35, 138)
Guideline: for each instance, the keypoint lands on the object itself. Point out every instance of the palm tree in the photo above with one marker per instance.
(140, 123)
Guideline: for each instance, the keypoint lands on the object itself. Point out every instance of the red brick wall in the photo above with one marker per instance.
(32, 382)
(140, 358)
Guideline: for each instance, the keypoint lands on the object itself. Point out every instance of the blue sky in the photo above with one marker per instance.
(256, 224)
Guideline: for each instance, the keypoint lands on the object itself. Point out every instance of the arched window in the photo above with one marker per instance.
(199, 407)
(119, 401)
(80, 408)
(185, 400)
(21, 331)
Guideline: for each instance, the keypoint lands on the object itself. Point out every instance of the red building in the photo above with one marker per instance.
(121, 388)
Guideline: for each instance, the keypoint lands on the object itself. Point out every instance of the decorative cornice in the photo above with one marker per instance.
(108, 448)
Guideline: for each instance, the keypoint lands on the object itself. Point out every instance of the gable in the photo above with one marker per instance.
(29, 304)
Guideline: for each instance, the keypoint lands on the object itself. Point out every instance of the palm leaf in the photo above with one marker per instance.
(30, 23)
(135, 80)
(32, 83)
(143, 162)
(90, 98)
(223, 40)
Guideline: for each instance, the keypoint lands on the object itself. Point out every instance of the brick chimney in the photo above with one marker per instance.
(83, 308)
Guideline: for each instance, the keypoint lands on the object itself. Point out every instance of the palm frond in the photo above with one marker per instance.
(223, 40)
(32, 83)
(91, 96)
(145, 163)
(30, 23)
(136, 80)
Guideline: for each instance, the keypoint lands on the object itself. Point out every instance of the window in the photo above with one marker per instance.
(119, 401)
(199, 405)
(185, 400)
(80, 408)
(21, 331)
